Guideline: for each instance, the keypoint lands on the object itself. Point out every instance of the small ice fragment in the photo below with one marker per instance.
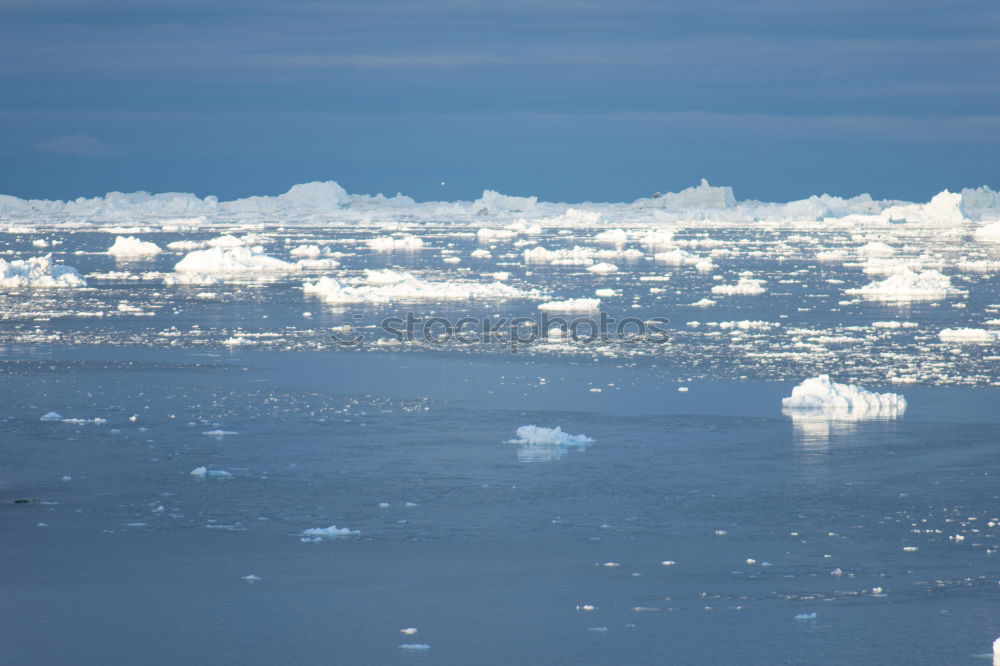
(409, 631)
(910, 549)
(682, 389)
(411, 504)
(318, 533)
(837, 572)
(67, 478)
(586, 607)
(601, 629)
(383, 505)
(415, 646)
(751, 561)
(251, 578)
(205, 472)
(721, 532)
(133, 418)
(805, 616)
(51, 416)
(611, 564)
(668, 563)
(220, 433)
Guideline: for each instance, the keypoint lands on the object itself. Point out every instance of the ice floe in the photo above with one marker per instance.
(38, 272)
(821, 396)
(130, 246)
(907, 285)
(386, 286)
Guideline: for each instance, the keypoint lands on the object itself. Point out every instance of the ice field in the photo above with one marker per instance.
(192, 459)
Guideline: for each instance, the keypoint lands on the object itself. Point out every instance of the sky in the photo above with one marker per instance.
(569, 100)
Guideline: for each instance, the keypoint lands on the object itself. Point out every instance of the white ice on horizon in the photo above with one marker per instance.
(821, 396)
(38, 272)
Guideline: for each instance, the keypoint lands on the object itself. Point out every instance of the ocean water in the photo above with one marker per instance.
(344, 493)
(490, 551)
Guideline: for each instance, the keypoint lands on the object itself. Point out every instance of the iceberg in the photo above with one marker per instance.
(130, 246)
(235, 260)
(38, 272)
(945, 207)
(821, 396)
(572, 305)
(907, 285)
(387, 286)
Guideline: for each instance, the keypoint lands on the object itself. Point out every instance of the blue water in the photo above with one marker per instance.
(491, 555)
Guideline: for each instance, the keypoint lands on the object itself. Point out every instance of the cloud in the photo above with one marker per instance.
(76, 145)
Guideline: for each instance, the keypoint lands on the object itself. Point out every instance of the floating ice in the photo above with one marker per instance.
(975, 335)
(220, 433)
(572, 305)
(130, 246)
(494, 202)
(38, 272)
(229, 261)
(51, 416)
(204, 472)
(416, 647)
(906, 285)
(989, 232)
(603, 267)
(821, 396)
(331, 532)
(745, 287)
(532, 434)
(944, 208)
(805, 616)
(612, 236)
(390, 244)
(387, 286)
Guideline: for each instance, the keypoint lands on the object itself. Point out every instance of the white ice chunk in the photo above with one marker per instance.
(130, 246)
(819, 395)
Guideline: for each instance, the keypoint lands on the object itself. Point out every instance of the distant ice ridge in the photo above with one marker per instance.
(38, 272)
(821, 396)
(387, 286)
(130, 246)
(702, 195)
(944, 208)
(907, 285)
(494, 202)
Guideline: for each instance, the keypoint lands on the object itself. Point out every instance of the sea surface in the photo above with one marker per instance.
(203, 473)
(701, 526)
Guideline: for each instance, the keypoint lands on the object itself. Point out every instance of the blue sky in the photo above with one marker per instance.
(568, 100)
